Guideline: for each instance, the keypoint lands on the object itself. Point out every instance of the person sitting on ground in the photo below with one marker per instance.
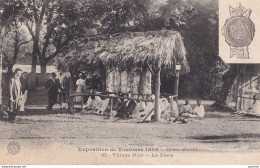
(148, 108)
(117, 102)
(186, 109)
(165, 106)
(173, 110)
(93, 104)
(104, 107)
(256, 106)
(138, 109)
(198, 111)
(127, 107)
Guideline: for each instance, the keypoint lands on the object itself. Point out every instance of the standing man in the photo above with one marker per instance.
(25, 87)
(15, 90)
(53, 86)
(66, 88)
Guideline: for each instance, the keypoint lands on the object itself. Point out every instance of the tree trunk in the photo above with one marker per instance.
(34, 62)
(34, 56)
(2, 32)
(43, 67)
(10, 68)
(1, 57)
(228, 79)
(157, 95)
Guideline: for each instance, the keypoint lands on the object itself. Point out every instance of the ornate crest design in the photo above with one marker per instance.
(239, 31)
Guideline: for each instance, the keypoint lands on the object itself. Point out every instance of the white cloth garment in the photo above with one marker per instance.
(24, 98)
(104, 106)
(18, 84)
(80, 89)
(165, 108)
(186, 108)
(139, 108)
(92, 105)
(147, 109)
(96, 103)
(199, 110)
(89, 102)
(256, 107)
(174, 108)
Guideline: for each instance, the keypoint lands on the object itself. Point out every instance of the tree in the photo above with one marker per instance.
(114, 16)
(196, 20)
(51, 24)
(6, 20)
(14, 41)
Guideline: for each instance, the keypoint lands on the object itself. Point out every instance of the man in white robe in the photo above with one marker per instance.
(139, 108)
(173, 111)
(199, 110)
(103, 108)
(94, 103)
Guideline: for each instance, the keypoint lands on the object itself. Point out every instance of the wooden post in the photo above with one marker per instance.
(111, 108)
(176, 85)
(157, 95)
(258, 81)
(70, 99)
(82, 102)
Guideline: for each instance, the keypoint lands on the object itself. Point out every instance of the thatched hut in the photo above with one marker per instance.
(145, 52)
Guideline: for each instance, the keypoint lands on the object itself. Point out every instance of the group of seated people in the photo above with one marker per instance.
(126, 106)
(187, 111)
(123, 106)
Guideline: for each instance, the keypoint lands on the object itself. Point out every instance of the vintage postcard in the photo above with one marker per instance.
(130, 82)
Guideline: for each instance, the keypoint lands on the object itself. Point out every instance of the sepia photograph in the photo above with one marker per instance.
(129, 82)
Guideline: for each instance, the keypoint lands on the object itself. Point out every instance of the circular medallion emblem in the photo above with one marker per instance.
(13, 148)
(238, 31)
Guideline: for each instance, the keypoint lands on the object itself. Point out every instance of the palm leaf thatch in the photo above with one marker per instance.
(131, 49)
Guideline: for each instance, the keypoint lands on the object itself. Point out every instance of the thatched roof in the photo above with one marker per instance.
(130, 49)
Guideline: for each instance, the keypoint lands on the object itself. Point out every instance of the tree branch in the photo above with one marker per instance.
(39, 22)
(46, 44)
(43, 10)
(58, 50)
(35, 12)
(30, 30)
(50, 29)
(22, 43)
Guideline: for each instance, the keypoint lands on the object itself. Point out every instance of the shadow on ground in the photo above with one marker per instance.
(37, 112)
(227, 138)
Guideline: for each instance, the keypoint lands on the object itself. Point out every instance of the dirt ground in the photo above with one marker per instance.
(218, 131)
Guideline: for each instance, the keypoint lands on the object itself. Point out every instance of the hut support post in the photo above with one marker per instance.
(70, 101)
(176, 85)
(157, 95)
(111, 108)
